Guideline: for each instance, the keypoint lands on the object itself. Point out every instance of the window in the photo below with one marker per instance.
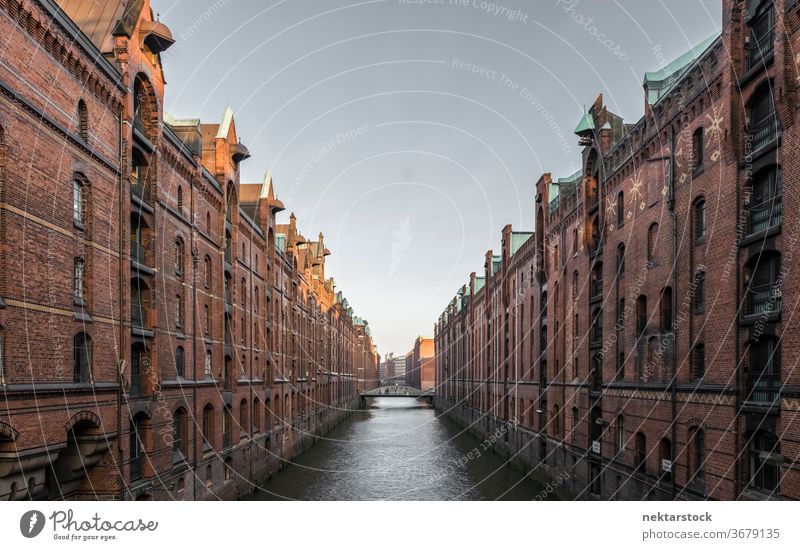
(255, 416)
(78, 272)
(575, 241)
(761, 20)
(698, 361)
(78, 203)
(179, 362)
(641, 315)
(243, 292)
(179, 253)
(697, 453)
(640, 454)
(620, 433)
(620, 209)
(207, 365)
(621, 366)
(699, 295)
(574, 286)
(621, 314)
(666, 310)
(763, 291)
(207, 273)
(137, 448)
(766, 207)
(208, 222)
(652, 237)
(82, 346)
(243, 416)
(178, 310)
(764, 462)
(764, 374)
(665, 456)
(763, 122)
(699, 220)
(621, 260)
(180, 439)
(179, 199)
(228, 469)
(83, 120)
(206, 320)
(697, 149)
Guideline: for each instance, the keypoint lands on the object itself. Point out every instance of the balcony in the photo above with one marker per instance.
(765, 215)
(763, 388)
(759, 52)
(763, 300)
(763, 132)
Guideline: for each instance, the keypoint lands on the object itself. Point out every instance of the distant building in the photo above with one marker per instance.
(393, 369)
(421, 364)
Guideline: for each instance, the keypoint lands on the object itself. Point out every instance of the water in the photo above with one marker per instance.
(398, 449)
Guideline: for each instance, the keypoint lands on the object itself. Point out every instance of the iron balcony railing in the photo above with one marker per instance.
(139, 189)
(763, 132)
(764, 387)
(760, 49)
(765, 215)
(763, 299)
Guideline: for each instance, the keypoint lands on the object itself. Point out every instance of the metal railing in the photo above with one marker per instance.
(138, 315)
(765, 215)
(763, 132)
(763, 387)
(138, 252)
(760, 49)
(763, 299)
(596, 289)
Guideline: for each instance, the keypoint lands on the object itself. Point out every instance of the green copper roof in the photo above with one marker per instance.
(519, 238)
(480, 282)
(660, 82)
(585, 125)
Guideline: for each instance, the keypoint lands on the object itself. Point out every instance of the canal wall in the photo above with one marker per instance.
(249, 465)
(563, 469)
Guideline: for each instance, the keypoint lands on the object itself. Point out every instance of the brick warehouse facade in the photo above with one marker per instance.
(179, 343)
(640, 343)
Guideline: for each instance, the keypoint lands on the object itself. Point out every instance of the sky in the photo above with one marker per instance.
(410, 132)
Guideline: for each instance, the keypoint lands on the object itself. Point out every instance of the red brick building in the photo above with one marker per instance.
(155, 342)
(642, 339)
(420, 364)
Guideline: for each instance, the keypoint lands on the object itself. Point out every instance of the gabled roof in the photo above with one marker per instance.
(480, 282)
(101, 20)
(519, 238)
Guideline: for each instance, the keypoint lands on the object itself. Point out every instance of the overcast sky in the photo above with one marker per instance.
(411, 132)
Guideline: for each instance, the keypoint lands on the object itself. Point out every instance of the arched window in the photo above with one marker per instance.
(243, 425)
(652, 238)
(761, 20)
(255, 417)
(698, 146)
(620, 209)
(699, 220)
(83, 120)
(207, 272)
(78, 270)
(698, 361)
(665, 309)
(619, 429)
(137, 447)
(79, 198)
(82, 347)
(641, 315)
(699, 294)
(180, 437)
(665, 458)
(640, 452)
(179, 362)
(179, 257)
(596, 287)
(180, 199)
(697, 453)
(208, 426)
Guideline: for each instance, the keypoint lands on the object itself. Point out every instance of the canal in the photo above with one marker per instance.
(398, 449)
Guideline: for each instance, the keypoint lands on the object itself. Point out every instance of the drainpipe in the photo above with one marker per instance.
(122, 344)
(674, 381)
(193, 236)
